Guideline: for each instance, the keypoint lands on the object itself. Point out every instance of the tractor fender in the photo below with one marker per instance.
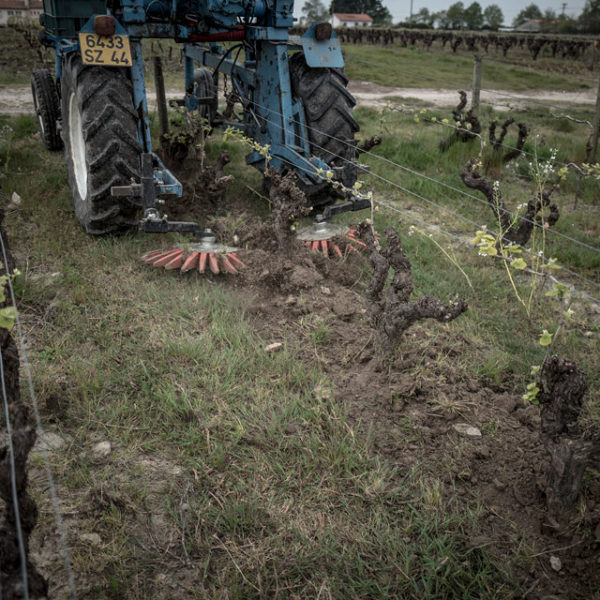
(322, 53)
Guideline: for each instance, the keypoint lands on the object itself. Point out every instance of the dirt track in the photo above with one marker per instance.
(371, 94)
(19, 101)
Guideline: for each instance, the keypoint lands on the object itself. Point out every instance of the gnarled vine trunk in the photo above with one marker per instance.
(563, 387)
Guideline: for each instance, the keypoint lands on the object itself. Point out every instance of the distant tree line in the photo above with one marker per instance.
(315, 10)
(457, 16)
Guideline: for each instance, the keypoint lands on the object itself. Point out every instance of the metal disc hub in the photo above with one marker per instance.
(320, 235)
(208, 245)
(205, 255)
(323, 231)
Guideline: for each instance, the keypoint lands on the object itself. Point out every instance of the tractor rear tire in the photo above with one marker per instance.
(203, 86)
(47, 108)
(102, 147)
(330, 124)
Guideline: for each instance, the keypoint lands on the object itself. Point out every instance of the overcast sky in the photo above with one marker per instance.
(400, 9)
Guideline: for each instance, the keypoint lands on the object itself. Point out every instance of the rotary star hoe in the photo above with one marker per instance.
(292, 91)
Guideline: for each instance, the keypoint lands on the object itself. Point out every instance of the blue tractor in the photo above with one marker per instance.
(293, 94)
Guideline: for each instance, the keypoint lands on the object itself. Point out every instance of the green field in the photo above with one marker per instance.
(413, 67)
(395, 66)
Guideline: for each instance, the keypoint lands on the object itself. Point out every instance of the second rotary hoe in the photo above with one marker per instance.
(292, 91)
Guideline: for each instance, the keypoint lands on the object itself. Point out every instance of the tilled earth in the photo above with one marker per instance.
(421, 408)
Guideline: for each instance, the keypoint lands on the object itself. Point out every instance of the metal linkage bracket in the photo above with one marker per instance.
(342, 207)
(154, 223)
(152, 183)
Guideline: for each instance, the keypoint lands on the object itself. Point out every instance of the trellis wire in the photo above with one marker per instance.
(422, 198)
(454, 84)
(41, 435)
(397, 165)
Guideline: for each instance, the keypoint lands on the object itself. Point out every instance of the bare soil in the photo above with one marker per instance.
(409, 408)
(414, 404)
(371, 94)
(413, 409)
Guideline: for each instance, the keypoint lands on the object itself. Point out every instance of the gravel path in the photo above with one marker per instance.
(15, 100)
(371, 94)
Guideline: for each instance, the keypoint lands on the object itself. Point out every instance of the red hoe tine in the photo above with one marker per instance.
(319, 238)
(203, 256)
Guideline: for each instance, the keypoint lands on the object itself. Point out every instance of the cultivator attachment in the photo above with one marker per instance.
(204, 256)
(320, 237)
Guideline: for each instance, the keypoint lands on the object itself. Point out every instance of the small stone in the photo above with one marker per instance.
(15, 200)
(91, 538)
(53, 441)
(499, 485)
(325, 291)
(555, 563)
(274, 347)
(264, 274)
(292, 428)
(588, 334)
(466, 429)
(101, 449)
(290, 300)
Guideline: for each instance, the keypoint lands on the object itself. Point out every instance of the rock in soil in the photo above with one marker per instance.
(54, 442)
(555, 563)
(467, 430)
(274, 347)
(101, 449)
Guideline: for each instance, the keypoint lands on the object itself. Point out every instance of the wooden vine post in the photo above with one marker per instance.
(161, 97)
(476, 92)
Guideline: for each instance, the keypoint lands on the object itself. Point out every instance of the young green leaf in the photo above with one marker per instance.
(7, 317)
(545, 338)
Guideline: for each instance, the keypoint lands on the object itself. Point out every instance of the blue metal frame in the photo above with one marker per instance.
(323, 53)
(271, 115)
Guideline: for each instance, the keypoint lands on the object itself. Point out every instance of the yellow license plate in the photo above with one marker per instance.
(107, 50)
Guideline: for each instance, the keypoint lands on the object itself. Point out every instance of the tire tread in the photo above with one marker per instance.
(112, 146)
(328, 109)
